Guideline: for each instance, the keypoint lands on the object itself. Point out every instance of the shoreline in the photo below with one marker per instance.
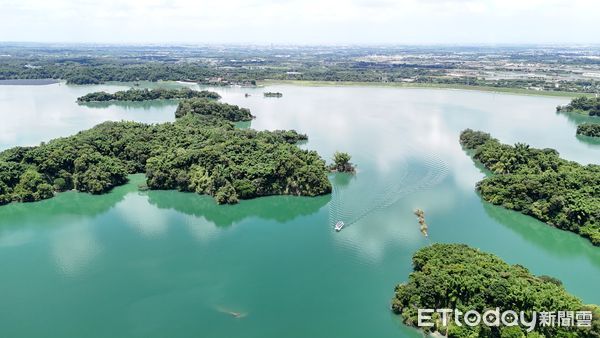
(502, 90)
(28, 82)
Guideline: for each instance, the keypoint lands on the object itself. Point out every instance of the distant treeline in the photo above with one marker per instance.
(95, 70)
(455, 276)
(538, 183)
(589, 129)
(200, 152)
(583, 105)
(148, 94)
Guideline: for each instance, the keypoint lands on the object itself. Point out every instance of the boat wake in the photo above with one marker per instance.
(345, 207)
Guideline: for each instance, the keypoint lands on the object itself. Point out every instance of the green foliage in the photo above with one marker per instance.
(471, 139)
(341, 162)
(589, 129)
(32, 187)
(586, 105)
(239, 66)
(148, 94)
(207, 107)
(5, 194)
(199, 152)
(455, 276)
(537, 182)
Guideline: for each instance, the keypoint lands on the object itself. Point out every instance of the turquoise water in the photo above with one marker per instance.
(161, 263)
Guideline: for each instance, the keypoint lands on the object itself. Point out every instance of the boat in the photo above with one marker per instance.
(338, 226)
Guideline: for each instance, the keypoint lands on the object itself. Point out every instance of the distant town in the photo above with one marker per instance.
(553, 69)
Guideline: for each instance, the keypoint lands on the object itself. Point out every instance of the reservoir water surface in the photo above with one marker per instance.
(137, 263)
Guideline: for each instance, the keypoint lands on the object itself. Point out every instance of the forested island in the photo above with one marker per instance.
(538, 183)
(226, 111)
(455, 276)
(589, 129)
(200, 152)
(582, 105)
(341, 163)
(148, 94)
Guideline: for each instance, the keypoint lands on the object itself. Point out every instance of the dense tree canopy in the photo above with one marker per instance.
(148, 94)
(455, 276)
(589, 129)
(341, 162)
(200, 152)
(537, 182)
(207, 107)
(585, 105)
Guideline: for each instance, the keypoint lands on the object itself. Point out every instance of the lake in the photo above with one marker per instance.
(137, 263)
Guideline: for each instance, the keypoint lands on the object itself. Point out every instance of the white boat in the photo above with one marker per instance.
(338, 226)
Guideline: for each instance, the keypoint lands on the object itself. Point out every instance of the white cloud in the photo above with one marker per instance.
(296, 21)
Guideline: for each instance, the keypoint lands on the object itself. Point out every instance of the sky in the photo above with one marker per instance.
(302, 21)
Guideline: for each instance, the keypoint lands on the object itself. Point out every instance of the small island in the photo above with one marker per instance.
(538, 183)
(200, 152)
(272, 94)
(589, 129)
(202, 106)
(422, 224)
(582, 105)
(148, 94)
(341, 163)
(455, 276)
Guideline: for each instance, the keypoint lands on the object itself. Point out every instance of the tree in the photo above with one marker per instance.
(341, 162)
(455, 276)
(201, 152)
(538, 183)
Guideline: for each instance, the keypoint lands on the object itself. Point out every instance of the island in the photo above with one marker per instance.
(422, 224)
(538, 183)
(455, 276)
(589, 129)
(582, 105)
(148, 94)
(207, 107)
(341, 163)
(200, 152)
(272, 94)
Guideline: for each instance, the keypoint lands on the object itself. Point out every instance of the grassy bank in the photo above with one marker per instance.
(425, 85)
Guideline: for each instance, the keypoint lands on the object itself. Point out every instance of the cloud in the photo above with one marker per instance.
(295, 21)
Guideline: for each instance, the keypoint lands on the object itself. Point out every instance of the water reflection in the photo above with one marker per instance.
(151, 222)
(74, 245)
(577, 119)
(66, 204)
(278, 208)
(32, 114)
(553, 241)
(130, 105)
(591, 141)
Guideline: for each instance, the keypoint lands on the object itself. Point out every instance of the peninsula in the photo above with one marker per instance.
(538, 183)
(455, 276)
(148, 94)
(582, 105)
(200, 152)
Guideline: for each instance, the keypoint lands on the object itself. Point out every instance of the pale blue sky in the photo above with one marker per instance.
(302, 21)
